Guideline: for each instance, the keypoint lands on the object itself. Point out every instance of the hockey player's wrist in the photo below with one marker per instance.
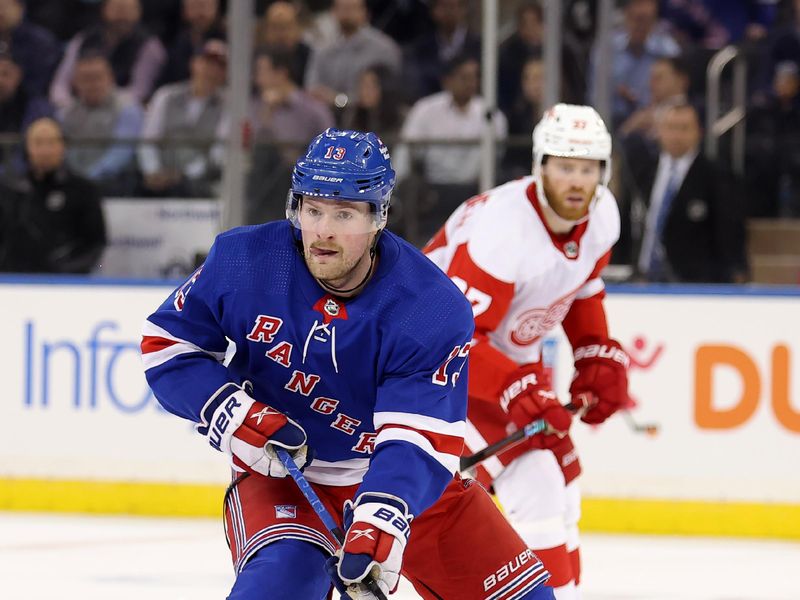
(386, 512)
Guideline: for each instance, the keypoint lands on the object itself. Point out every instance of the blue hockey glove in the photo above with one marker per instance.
(378, 526)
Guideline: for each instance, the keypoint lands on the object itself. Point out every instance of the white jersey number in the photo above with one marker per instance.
(480, 300)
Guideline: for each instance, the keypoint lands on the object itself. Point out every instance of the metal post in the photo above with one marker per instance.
(603, 60)
(489, 93)
(713, 108)
(240, 39)
(740, 100)
(552, 52)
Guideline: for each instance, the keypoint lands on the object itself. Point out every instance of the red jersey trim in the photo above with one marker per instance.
(156, 344)
(446, 444)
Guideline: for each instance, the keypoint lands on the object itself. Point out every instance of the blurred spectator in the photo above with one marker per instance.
(782, 46)
(523, 117)
(714, 24)
(161, 18)
(51, 220)
(693, 225)
(282, 112)
(333, 71)
(428, 55)
(376, 107)
(101, 125)
(183, 118)
(63, 18)
(458, 113)
(580, 21)
(284, 120)
(403, 20)
(18, 108)
(280, 29)
(201, 22)
(635, 47)
(669, 85)
(34, 48)
(135, 54)
(773, 148)
(527, 42)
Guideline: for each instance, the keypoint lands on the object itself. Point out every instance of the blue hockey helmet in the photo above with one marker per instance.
(347, 165)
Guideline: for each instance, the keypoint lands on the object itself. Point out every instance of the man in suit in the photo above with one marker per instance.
(690, 218)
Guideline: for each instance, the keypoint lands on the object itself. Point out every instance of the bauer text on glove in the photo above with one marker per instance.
(248, 432)
(601, 378)
(378, 526)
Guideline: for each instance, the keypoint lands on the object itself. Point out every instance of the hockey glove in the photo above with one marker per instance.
(600, 383)
(378, 526)
(248, 431)
(527, 396)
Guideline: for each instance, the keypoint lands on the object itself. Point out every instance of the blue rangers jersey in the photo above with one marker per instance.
(378, 381)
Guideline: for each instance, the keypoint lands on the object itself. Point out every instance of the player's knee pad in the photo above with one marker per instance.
(532, 494)
(532, 487)
(288, 569)
(572, 513)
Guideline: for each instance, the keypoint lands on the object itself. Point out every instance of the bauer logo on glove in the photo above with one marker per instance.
(600, 383)
(248, 432)
(378, 527)
(613, 352)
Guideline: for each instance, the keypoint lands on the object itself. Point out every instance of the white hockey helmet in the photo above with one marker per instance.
(571, 131)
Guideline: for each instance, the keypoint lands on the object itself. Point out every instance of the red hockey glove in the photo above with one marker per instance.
(248, 431)
(567, 457)
(378, 526)
(527, 396)
(600, 382)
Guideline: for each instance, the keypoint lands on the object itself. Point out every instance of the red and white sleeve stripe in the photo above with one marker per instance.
(159, 346)
(440, 439)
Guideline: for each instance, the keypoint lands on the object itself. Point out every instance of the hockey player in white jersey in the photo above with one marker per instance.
(528, 255)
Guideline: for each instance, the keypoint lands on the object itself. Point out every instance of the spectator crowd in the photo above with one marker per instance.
(136, 91)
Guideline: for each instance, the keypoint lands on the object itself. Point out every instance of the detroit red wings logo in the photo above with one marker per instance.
(534, 323)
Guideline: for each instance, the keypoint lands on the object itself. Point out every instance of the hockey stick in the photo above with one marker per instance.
(538, 426)
(529, 430)
(648, 428)
(323, 513)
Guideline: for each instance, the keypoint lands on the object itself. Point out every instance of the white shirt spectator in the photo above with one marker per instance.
(437, 117)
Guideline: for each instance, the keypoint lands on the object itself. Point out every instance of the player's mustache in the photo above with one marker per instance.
(329, 248)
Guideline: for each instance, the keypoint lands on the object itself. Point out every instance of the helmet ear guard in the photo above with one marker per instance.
(571, 131)
(344, 165)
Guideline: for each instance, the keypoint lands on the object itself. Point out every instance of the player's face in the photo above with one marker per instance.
(337, 236)
(570, 185)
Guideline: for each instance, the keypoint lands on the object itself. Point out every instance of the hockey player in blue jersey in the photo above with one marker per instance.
(348, 350)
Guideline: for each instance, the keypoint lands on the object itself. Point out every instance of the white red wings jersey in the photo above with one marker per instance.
(523, 281)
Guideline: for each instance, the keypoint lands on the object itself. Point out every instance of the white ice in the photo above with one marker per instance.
(45, 556)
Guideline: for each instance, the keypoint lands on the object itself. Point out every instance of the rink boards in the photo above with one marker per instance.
(715, 368)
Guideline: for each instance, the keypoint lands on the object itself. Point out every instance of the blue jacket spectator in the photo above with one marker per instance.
(714, 24)
(635, 47)
(34, 49)
(18, 108)
(428, 55)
